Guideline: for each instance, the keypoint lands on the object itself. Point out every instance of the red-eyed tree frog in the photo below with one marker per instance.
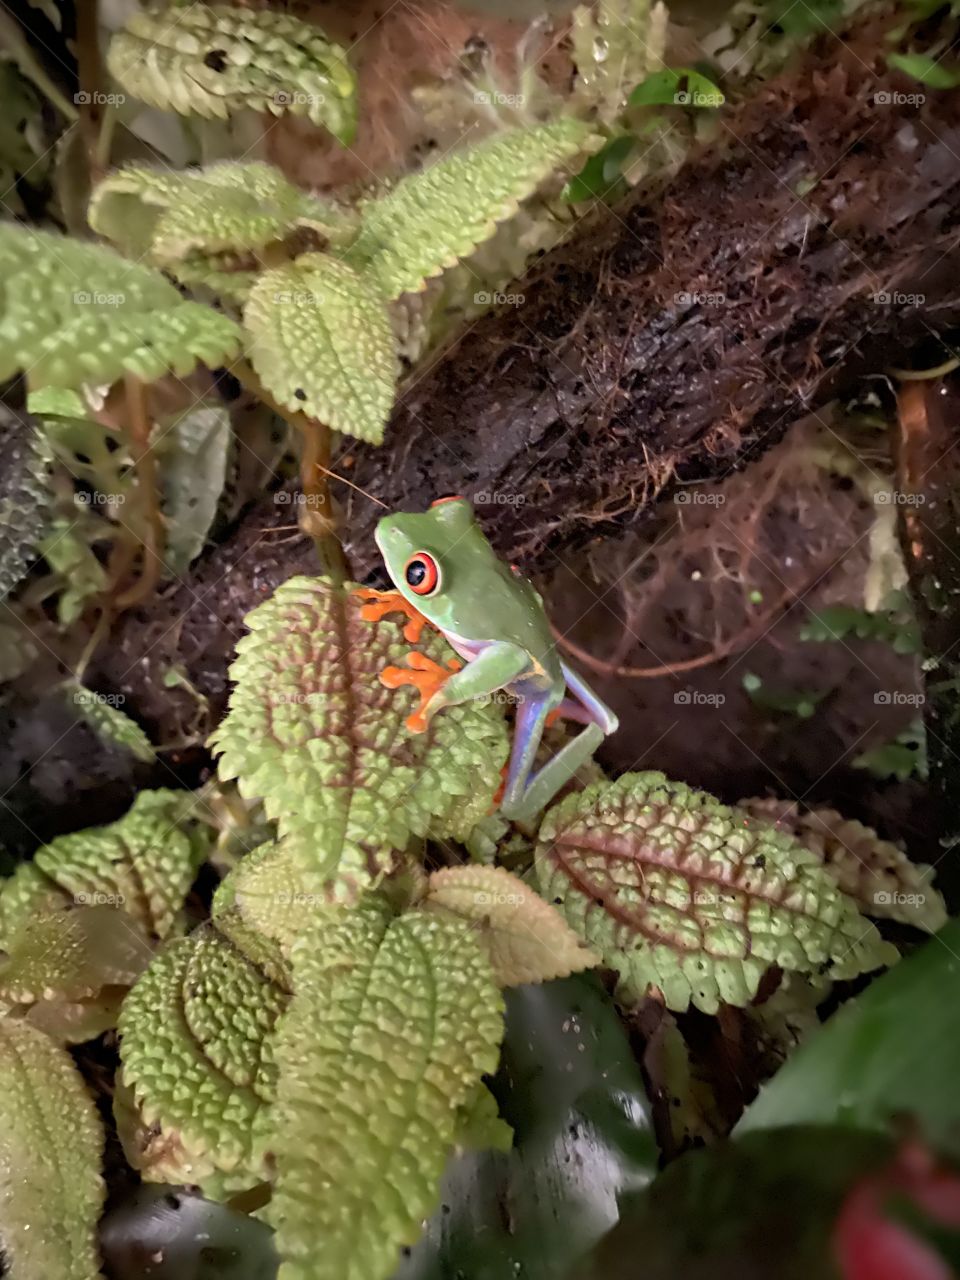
(446, 571)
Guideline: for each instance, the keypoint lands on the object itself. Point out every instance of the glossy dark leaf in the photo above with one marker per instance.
(570, 1088)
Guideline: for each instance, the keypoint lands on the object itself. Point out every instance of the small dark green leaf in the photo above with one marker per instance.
(929, 71)
(663, 88)
(602, 176)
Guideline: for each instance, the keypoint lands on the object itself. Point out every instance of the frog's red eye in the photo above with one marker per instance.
(454, 497)
(422, 574)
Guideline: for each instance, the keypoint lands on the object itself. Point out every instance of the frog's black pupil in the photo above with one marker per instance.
(416, 572)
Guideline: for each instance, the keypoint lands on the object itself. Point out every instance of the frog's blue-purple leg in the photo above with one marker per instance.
(524, 796)
(597, 712)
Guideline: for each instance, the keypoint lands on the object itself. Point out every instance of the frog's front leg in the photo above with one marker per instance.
(495, 665)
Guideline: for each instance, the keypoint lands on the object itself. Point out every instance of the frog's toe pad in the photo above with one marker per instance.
(380, 603)
(426, 676)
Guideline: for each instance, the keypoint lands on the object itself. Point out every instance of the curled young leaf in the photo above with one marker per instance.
(528, 940)
(75, 313)
(51, 1191)
(209, 60)
(321, 341)
(431, 220)
(393, 1024)
(197, 1052)
(313, 732)
(144, 863)
(874, 872)
(676, 891)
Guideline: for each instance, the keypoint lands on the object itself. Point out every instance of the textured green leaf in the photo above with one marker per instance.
(109, 722)
(313, 732)
(393, 1023)
(197, 1052)
(431, 220)
(26, 892)
(72, 955)
(875, 873)
(234, 206)
(892, 1052)
(211, 60)
(264, 896)
(193, 453)
(616, 43)
(24, 498)
(51, 1191)
(74, 313)
(321, 341)
(675, 890)
(144, 863)
(528, 940)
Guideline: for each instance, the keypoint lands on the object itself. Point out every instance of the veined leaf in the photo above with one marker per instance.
(51, 1191)
(392, 1026)
(197, 1051)
(431, 220)
(674, 891)
(145, 862)
(230, 207)
(875, 873)
(74, 313)
(209, 60)
(528, 940)
(313, 732)
(321, 341)
(24, 499)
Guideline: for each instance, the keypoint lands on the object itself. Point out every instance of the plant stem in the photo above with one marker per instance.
(92, 96)
(320, 519)
(145, 465)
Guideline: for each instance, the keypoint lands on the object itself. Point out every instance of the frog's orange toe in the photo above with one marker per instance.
(426, 676)
(383, 602)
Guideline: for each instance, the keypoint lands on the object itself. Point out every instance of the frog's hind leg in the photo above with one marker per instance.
(524, 796)
(598, 711)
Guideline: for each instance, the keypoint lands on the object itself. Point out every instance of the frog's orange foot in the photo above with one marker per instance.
(384, 602)
(426, 676)
(498, 796)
